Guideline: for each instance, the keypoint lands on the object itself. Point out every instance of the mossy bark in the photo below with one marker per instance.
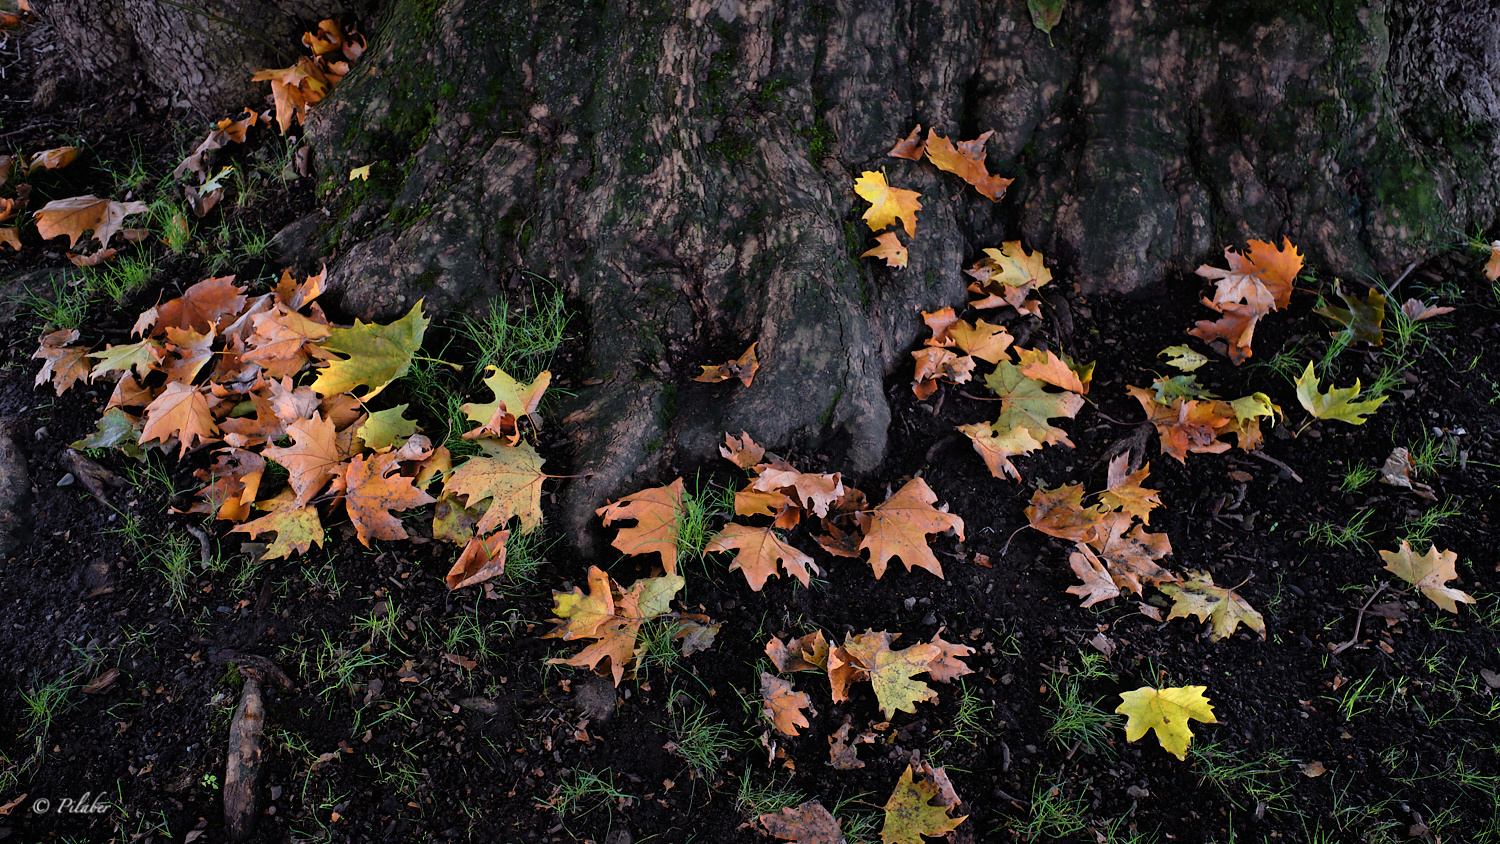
(684, 169)
(199, 53)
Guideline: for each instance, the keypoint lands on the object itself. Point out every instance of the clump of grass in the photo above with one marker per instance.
(1357, 477)
(696, 519)
(1357, 531)
(1052, 813)
(972, 720)
(584, 792)
(63, 307)
(1077, 720)
(43, 703)
(702, 740)
(522, 340)
(752, 799)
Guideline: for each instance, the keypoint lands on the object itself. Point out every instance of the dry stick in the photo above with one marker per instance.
(203, 549)
(1269, 459)
(1359, 619)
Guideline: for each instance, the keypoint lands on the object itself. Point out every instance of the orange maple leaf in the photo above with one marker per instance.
(511, 480)
(1124, 492)
(806, 653)
(909, 148)
(815, 492)
(210, 303)
(313, 459)
(180, 411)
(742, 452)
(743, 368)
(65, 365)
(760, 549)
(610, 615)
(1187, 425)
(372, 493)
(295, 88)
(782, 705)
(967, 162)
(1131, 553)
(233, 484)
(1060, 513)
(1234, 331)
(655, 512)
(900, 526)
(889, 247)
(78, 214)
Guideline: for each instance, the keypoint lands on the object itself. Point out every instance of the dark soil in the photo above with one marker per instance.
(1393, 738)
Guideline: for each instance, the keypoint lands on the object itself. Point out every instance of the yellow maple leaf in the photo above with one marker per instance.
(297, 529)
(997, 448)
(376, 354)
(1025, 404)
(513, 400)
(1428, 573)
(911, 815)
(1167, 711)
(1197, 595)
(887, 204)
(892, 672)
(510, 479)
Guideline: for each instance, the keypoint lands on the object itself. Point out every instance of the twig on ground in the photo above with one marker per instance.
(1269, 459)
(1359, 620)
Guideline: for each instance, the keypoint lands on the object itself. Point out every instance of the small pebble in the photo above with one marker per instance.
(911, 602)
(67, 480)
(929, 619)
(40, 434)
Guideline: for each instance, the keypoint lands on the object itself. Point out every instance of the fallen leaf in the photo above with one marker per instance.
(610, 615)
(1362, 319)
(376, 354)
(743, 368)
(816, 492)
(1126, 493)
(997, 448)
(1006, 276)
(312, 460)
(1416, 310)
(372, 492)
(967, 162)
(361, 173)
(910, 147)
(889, 247)
(510, 479)
(910, 813)
(1336, 403)
(65, 365)
(181, 411)
(1097, 584)
(843, 755)
(808, 823)
(1168, 712)
(887, 204)
(295, 88)
(76, 215)
(1024, 403)
(782, 705)
(1428, 573)
(297, 529)
(807, 653)
(656, 512)
(53, 159)
(899, 528)
(1182, 358)
(759, 552)
(742, 452)
(891, 672)
(482, 559)
(1197, 595)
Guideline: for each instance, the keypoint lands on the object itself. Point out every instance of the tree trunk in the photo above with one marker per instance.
(200, 53)
(684, 169)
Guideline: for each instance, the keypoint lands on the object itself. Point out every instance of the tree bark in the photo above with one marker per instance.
(200, 53)
(684, 169)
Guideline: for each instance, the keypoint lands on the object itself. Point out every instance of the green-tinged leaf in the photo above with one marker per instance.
(1363, 320)
(1167, 711)
(142, 357)
(1254, 405)
(1045, 13)
(511, 481)
(1182, 357)
(375, 355)
(1197, 595)
(115, 429)
(1026, 404)
(297, 529)
(512, 401)
(386, 429)
(1178, 387)
(910, 813)
(1334, 404)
